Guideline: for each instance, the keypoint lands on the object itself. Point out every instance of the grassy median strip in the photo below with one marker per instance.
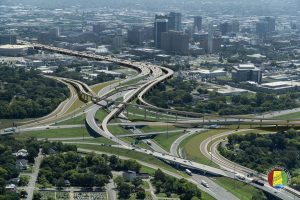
(295, 115)
(159, 128)
(55, 133)
(96, 88)
(74, 120)
(99, 140)
(118, 130)
(166, 140)
(241, 190)
(191, 146)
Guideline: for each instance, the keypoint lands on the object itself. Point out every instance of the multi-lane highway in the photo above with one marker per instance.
(233, 169)
(158, 74)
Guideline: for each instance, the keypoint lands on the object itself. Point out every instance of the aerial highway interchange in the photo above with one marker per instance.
(152, 76)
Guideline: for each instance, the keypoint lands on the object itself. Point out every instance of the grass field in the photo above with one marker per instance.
(118, 130)
(241, 190)
(191, 146)
(77, 104)
(166, 140)
(160, 128)
(75, 120)
(96, 88)
(55, 133)
(100, 115)
(99, 140)
(295, 115)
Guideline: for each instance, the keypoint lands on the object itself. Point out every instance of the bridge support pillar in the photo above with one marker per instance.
(145, 114)
(126, 111)
(260, 123)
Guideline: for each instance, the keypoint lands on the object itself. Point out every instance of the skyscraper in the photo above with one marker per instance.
(271, 23)
(262, 29)
(265, 27)
(160, 26)
(174, 22)
(8, 39)
(175, 42)
(197, 23)
(225, 28)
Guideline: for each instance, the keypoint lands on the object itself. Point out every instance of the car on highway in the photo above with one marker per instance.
(258, 182)
(241, 177)
(188, 172)
(204, 183)
(9, 130)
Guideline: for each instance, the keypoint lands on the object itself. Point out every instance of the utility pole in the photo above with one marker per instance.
(210, 148)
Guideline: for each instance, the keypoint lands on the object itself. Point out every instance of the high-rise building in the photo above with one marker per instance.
(271, 23)
(134, 35)
(265, 27)
(262, 29)
(210, 39)
(117, 41)
(137, 35)
(225, 28)
(175, 42)
(174, 21)
(235, 26)
(160, 26)
(197, 23)
(99, 27)
(8, 39)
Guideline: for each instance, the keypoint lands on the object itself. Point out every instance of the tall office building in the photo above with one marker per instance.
(174, 21)
(160, 26)
(262, 29)
(225, 28)
(8, 39)
(99, 27)
(265, 27)
(175, 42)
(235, 26)
(197, 23)
(210, 39)
(271, 23)
(137, 35)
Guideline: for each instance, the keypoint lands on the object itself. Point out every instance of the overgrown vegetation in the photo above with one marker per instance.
(167, 184)
(176, 93)
(81, 170)
(27, 94)
(261, 152)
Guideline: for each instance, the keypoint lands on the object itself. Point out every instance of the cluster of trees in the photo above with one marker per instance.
(127, 188)
(76, 75)
(176, 93)
(81, 171)
(58, 147)
(245, 103)
(169, 185)
(8, 170)
(260, 152)
(26, 94)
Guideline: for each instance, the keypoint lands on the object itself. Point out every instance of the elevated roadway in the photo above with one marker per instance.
(160, 74)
